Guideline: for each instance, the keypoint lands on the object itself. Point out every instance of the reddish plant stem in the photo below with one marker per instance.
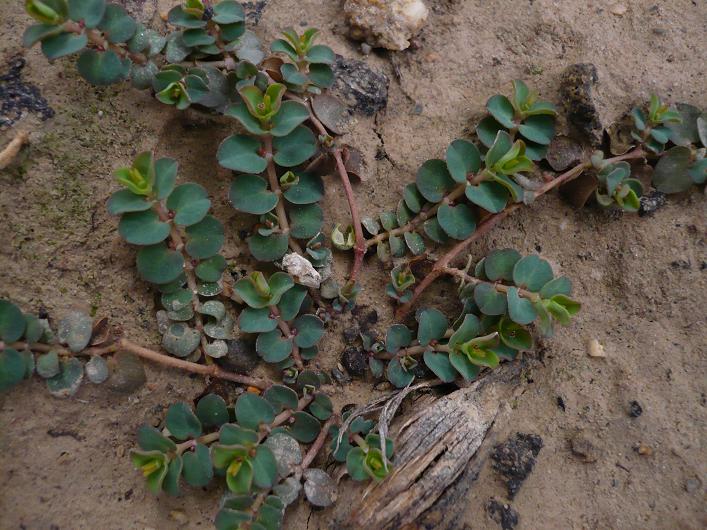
(275, 188)
(360, 245)
(473, 280)
(99, 40)
(442, 266)
(287, 332)
(319, 442)
(154, 356)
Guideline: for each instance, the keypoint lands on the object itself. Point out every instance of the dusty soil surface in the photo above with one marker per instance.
(63, 463)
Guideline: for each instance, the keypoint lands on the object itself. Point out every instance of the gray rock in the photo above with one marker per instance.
(127, 373)
(361, 88)
(576, 87)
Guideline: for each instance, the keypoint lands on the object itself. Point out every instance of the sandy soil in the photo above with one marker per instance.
(63, 464)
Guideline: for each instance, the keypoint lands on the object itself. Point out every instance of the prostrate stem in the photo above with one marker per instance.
(442, 266)
(287, 332)
(275, 188)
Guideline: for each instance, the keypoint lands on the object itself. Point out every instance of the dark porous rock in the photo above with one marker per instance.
(18, 97)
(650, 202)
(241, 357)
(340, 377)
(635, 409)
(515, 458)
(563, 153)
(362, 89)
(503, 514)
(355, 361)
(576, 86)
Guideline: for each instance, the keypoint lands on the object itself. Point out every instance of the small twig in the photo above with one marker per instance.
(360, 245)
(151, 355)
(8, 154)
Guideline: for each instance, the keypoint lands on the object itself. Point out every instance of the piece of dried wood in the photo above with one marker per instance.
(432, 452)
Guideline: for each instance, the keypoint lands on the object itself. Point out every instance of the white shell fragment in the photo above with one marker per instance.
(385, 24)
(302, 270)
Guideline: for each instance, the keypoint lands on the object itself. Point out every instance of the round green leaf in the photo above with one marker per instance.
(457, 221)
(194, 37)
(12, 322)
(89, 11)
(12, 368)
(320, 54)
(256, 320)
(491, 196)
(469, 329)
(240, 153)
(499, 264)
(295, 148)
(501, 145)
(440, 366)
(305, 427)
(66, 383)
(189, 202)
(520, 309)
(165, 176)
(671, 172)
(268, 248)
(228, 12)
(434, 231)
(291, 302)
(252, 410)
(305, 220)
(211, 411)
(250, 194)
(560, 285)
(463, 365)
(48, 365)
(125, 201)
(397, 375)
(398, 336)
(37, 32)
(308, 189)
(539, 129)
(171, 479)
(151, 439)
(489, 300)
(322, 407)
(97, 370)
(205, 238)
(273, 347)
(433, 180)
(532, 273)
(514, 335)
(181, 422)
(264, 467)
(290, 115)
(179, 17)
(63, 44)
(403, 213)
(487, 130)
(198, 470)
(117, 25)
(310, 330)
(211, 269)
(321, 75)
(102, 68)
(502, 110)
(355, 464)
(432, 326)
(281, 398)
(143, 228)
(413, 200)
(180, 340)
(463, 159)
(414, 242)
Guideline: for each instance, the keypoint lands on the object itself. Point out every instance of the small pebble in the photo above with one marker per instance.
(178, 517)
(585, 449)
(643, 449)
(692, 485)
(619, 9)
(595, 349)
